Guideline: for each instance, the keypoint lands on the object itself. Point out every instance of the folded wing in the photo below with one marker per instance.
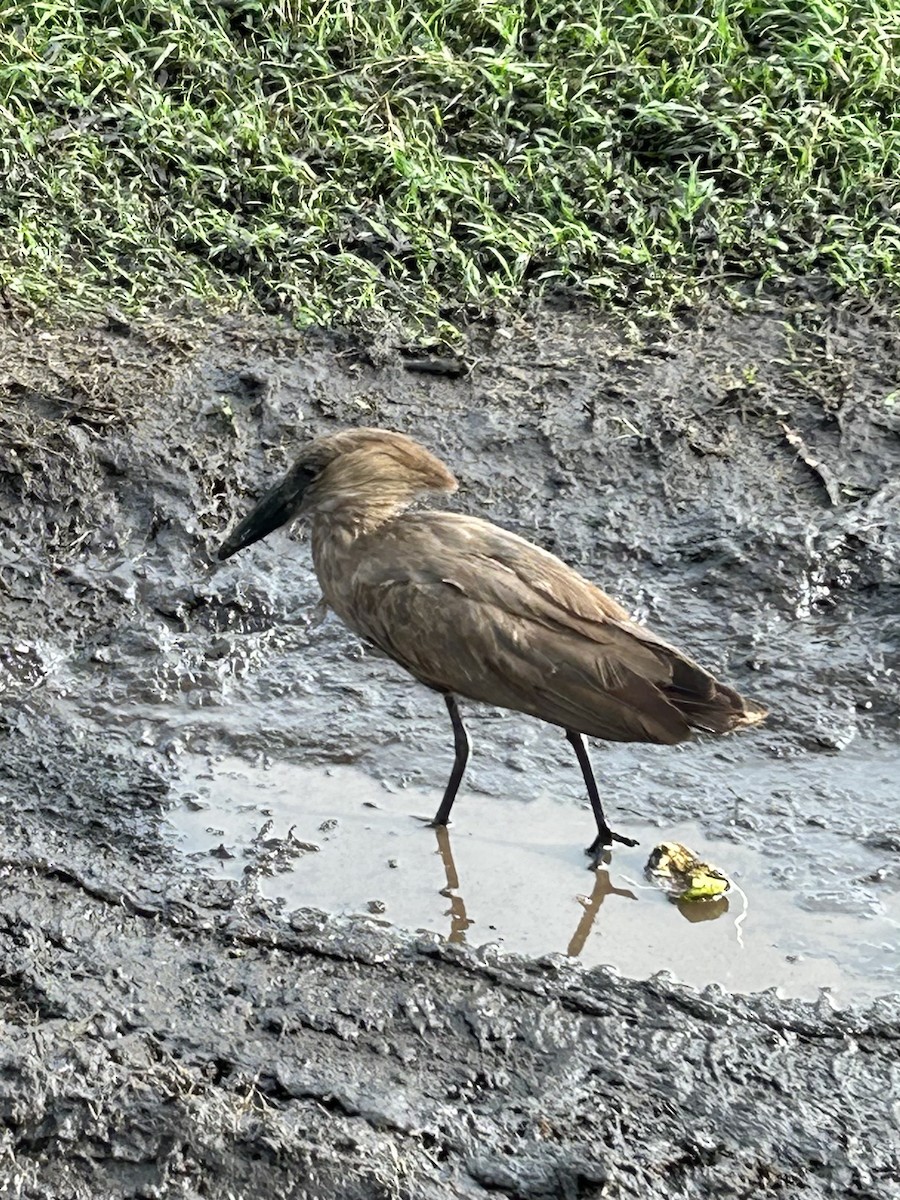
(469, 608)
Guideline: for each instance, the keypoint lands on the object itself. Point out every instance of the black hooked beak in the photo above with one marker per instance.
(275, 509)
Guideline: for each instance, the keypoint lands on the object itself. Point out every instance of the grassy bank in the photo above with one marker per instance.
(425, 156)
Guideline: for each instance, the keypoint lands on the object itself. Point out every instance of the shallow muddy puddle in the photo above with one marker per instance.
(513, 873)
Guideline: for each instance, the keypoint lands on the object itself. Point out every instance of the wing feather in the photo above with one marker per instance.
(467, 607)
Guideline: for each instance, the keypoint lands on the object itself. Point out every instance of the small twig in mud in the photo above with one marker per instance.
(448, 367)
(633, 430)
(825, 476)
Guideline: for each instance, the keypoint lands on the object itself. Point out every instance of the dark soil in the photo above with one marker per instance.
(735, 481)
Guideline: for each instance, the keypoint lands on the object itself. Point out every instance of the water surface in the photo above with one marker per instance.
(514, 873)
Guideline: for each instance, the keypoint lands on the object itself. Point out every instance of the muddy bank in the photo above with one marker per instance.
(734, 481)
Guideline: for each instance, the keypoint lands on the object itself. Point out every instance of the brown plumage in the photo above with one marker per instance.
(472, 610)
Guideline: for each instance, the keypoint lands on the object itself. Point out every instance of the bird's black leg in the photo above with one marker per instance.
(605, 836)
(461, 744)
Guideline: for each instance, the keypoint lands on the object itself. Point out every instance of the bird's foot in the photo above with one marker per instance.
(430, 822)
(603, 840)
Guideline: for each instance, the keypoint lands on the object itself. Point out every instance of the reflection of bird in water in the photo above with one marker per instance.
(472, 610)
(459, 921)
(591, 904)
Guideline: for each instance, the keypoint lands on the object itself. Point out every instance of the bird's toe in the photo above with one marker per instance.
(604, 839)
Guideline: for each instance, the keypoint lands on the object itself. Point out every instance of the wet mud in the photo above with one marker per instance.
(198, 1001)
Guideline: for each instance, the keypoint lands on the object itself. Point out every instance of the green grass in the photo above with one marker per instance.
(424, 160)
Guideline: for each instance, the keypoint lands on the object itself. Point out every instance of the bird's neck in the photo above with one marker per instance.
(350, 512)
(343, 519)
(335, 532)
(337, 539)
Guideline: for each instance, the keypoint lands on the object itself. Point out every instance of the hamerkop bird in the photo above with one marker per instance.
(472, 610)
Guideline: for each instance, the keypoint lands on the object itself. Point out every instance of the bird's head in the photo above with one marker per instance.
(361, 476)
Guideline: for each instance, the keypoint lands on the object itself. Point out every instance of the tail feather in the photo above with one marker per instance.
(721, 712)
